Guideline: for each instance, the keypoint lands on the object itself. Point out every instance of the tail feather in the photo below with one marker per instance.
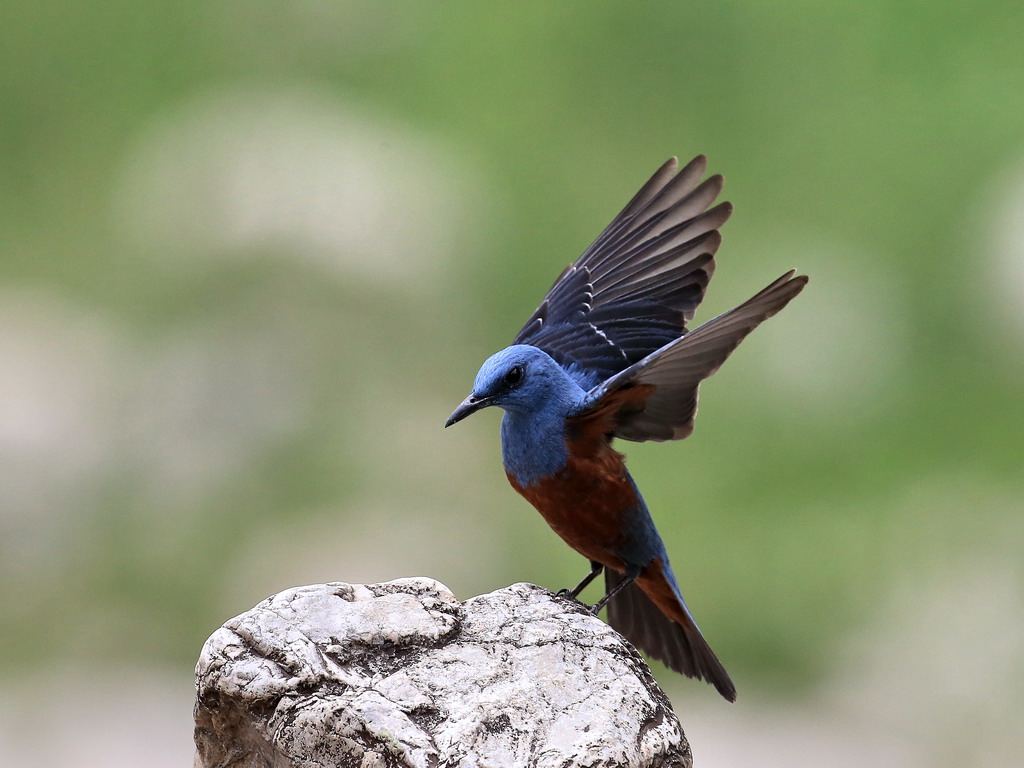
(679, 644)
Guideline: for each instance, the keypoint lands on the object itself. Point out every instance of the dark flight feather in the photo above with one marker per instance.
(674, 372)
(635, 288)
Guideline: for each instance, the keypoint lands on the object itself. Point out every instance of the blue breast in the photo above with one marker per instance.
(533, 445)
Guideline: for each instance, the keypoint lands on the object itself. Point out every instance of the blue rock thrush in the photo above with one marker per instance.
(608, 354)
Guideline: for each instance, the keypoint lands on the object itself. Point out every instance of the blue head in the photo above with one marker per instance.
(523, 380)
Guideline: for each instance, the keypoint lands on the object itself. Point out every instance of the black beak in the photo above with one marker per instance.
(470, 405)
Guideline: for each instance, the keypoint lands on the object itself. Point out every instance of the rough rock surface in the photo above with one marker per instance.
(403, 674)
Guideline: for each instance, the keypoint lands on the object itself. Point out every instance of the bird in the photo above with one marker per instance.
(608, 355)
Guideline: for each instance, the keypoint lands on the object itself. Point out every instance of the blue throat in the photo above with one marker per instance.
(533, 445)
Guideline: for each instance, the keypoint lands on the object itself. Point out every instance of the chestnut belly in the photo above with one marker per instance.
(592, 504)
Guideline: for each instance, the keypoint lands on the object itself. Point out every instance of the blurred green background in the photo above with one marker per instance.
(253, 253)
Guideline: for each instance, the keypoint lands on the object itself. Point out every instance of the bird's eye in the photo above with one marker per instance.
(513, 377)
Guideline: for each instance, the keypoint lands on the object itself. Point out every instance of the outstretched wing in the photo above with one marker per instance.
(670, 377)
(635, 288)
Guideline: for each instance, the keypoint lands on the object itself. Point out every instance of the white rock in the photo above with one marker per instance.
(403, 674)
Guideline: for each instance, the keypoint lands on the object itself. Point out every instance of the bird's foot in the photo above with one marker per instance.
(568, 594)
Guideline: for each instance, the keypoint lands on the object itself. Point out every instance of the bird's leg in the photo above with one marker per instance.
(632, 572)
(595, 571)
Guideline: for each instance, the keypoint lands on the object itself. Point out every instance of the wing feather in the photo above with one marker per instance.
(635, 288)
(672, 374)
